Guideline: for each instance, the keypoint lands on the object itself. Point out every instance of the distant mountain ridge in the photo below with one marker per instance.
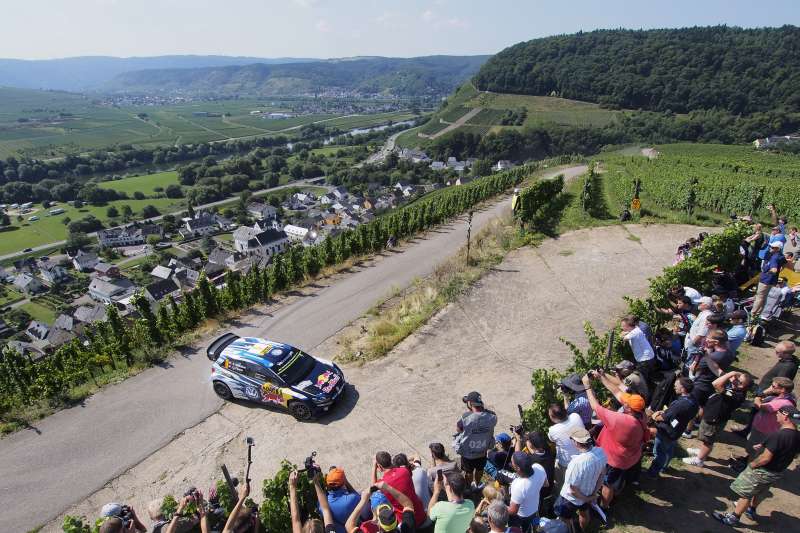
(92, 72)
(741, 71)
(429, 75)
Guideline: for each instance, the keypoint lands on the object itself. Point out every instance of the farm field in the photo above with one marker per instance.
(145, 184)
(52, 229)
(40, 312)
(543, 109)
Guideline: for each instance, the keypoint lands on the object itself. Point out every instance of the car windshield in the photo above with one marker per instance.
(296, 366)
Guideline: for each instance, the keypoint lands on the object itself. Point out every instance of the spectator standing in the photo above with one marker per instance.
(792, 242)
(575, 400)
(455, 514)
(699, 328)
(399, 478)
(642, 349)
(497, 517)
(730, 391)
(768, 278)
(560, 434)
(115, 510)
(341, 497)
(582, 481)
(475, 437)
(775, 455)
(440, 462)
(670, 425)
(764, 422)
(627, 378)
(786, 367)
(737, 331)
(541, 454)
(241, 514)
(525, 491)
(622, 437)
(714, 362)
(201, 517)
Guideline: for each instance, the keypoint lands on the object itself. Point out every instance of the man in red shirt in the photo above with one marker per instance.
(622, 437)
(400, 480)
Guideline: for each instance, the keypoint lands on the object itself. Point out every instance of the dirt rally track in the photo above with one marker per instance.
(509, 324)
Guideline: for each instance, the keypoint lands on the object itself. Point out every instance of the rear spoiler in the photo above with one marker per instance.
(220, 344)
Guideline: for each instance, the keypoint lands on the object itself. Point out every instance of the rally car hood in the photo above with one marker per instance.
(324, 380)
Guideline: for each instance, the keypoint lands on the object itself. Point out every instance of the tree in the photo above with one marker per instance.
(148, 319)
(118, 334)
(77, 240)
(112, 212)
(278, 278)
(138, 195)
(5, 220)
(208, 297)
(127, 212)
(233, 290)
(174, 191)
(150, 211)
(152, 240)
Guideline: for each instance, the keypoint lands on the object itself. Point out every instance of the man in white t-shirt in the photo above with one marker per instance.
(643, 352)
(525, 490)
(559, 434)
(699, 330)
(694, 294)
(583, 480)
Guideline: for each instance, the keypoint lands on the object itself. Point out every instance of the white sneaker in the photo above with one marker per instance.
(693, 461)
(693, 451)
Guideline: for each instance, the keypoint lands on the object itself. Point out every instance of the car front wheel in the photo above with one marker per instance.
(222, 390)
(300, 410)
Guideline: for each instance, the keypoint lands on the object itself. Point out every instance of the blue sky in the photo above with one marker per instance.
(37, 29)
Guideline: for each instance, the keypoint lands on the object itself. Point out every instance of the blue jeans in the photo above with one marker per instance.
(664, 450)
(526, 524)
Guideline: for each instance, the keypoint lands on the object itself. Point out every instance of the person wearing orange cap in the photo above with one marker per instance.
(342, 499)
(623, 435)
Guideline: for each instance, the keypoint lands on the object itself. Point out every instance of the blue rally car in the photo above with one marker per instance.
(258, 370)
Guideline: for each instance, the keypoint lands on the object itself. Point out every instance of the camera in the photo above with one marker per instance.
(249, 441)
(309, 465)
(517, 430)
(126, 515)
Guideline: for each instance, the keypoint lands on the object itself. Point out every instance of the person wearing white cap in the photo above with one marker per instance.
(699, 329)
(770, 267)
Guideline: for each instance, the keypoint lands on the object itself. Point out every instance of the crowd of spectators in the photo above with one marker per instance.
(679, 384)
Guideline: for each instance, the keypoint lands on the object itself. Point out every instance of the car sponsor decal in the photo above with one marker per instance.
(327, 381)
(260, 348)
(272, 394)
(251, 392)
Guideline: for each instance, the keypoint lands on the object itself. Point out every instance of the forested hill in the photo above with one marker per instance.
(403, 77)
(738, 70)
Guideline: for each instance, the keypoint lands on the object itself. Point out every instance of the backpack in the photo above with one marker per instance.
(755, 335)
(664, 392)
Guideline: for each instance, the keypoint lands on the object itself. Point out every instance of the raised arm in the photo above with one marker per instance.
(244, 491)
(720, 382)
(352, 520)
(322, 498)
(297, 526)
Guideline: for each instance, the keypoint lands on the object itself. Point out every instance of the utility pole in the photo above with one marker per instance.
(469, 231)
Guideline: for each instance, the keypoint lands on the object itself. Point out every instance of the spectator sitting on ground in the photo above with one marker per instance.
(622, 438)
(670, 425)
(500, 457)
(525, 491)
(560, 434)
(475, 437)
(398, 478)
(575, 400)
(775, 454)
(641, 347)
(341, 496)
(418, 476)
(455, 514)
(490, 494)
(786, 367)
(730, 391)
(440, 462)
(738, 331)
(582, 481)
(115, 510)
(384, 518)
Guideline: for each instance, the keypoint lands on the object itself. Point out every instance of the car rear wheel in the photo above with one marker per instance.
(300, 410)
(222, 390)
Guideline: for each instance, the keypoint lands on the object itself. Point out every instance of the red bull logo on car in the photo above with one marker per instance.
(327, 381)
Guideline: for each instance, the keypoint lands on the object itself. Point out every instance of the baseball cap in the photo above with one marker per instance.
(473, 397)
(573, 382)
(624, 365)
(111, 509)
(776, 244)
(634, 401)
(781, 280)
(705, 300)
(377, 498)
(503, 438)
(335, 478)
(523, 461)
(387, 520)
(581, 436)
(791, 412)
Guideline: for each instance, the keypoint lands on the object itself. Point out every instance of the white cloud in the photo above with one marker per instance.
(323, 26)
(431, 17)
(428, 16)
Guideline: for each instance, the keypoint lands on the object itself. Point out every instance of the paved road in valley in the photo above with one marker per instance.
(74, 452)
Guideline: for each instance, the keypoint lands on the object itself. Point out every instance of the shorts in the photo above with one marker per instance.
(617, 478)
(470, 465)
(566, 509)
(754, 482)
(702, 392)
(707, 432)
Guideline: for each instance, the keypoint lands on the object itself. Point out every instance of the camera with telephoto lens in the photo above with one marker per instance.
(518, 430)
(309, 465)
(126, 515)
